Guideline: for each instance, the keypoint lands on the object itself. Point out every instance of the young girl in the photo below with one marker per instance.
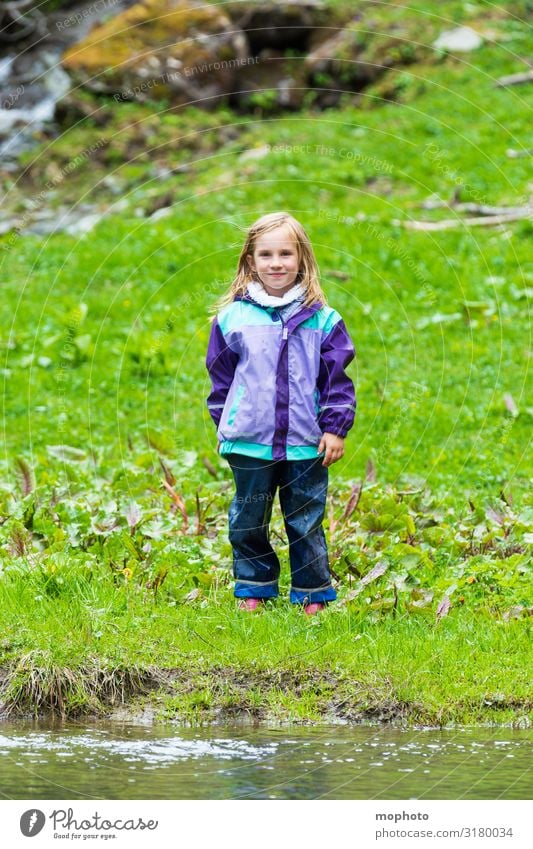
(282, 403)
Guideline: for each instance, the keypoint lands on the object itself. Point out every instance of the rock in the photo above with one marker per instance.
(356, 57)
(83, 225)
(10, 224)
(74, 222)
(115, 186)
(183, 50)
(458, 40)
(255, 153)
(161, 213)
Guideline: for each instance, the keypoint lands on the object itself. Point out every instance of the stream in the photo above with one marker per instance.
(136, 761)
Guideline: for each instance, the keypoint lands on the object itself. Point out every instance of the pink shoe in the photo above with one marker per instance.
(314, 608)
(250, 603)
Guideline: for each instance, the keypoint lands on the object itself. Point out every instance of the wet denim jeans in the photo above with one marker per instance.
(303, 488)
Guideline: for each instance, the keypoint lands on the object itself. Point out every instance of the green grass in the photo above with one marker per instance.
(148, 288)
(103, 344)
(278, 664)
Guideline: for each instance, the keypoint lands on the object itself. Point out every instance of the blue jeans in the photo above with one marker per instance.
(303, 488)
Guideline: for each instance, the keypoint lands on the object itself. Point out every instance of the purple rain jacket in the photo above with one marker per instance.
(277, 387)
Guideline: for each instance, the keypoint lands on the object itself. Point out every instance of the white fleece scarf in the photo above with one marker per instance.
(258, 293)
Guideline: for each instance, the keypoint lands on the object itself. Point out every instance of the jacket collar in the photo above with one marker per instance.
(296, 319)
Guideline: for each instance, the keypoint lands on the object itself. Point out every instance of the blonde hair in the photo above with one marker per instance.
(308, 273)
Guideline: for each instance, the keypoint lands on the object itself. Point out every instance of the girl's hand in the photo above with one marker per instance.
(333, 445)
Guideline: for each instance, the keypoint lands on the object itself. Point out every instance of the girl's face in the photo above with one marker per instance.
(275, 260)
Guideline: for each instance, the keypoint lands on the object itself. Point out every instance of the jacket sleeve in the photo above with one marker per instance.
(336, 393)
(221, 362)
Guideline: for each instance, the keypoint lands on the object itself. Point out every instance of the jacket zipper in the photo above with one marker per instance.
(284, 337)
(285, 330)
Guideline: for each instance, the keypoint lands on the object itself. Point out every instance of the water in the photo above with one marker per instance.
(124, 761)
(29, 100)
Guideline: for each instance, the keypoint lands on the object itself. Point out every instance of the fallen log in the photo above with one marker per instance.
(481, 221)
(515, 79)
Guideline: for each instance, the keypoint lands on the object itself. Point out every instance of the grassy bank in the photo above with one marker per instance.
(215, 663)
